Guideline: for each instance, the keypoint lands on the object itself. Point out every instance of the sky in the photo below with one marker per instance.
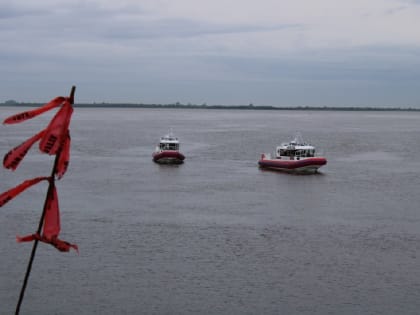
(219, 52)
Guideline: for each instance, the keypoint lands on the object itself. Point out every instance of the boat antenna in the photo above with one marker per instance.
(298, 138)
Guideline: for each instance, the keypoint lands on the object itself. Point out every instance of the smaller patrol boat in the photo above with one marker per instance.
(294, 156)
(167, 152)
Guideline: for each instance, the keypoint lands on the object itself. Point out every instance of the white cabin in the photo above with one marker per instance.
(169, 142)
(296, 148)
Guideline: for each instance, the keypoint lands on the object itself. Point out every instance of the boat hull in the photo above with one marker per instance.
(168, 157)
(305, 165)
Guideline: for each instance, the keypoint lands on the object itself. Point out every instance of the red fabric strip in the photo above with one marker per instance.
(61, 245)
(27, 238)
(18, 118)
(64, 159)
(57, 130)
(12, 193)
(15, 156)
(51, 227)
(52, 216)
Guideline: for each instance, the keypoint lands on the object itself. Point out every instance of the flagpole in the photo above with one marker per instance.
(41, 220)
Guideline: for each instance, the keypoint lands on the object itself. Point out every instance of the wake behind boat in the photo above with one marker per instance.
(167, 152)
(294, 156)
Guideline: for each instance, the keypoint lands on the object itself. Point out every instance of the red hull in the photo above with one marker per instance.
(307, 164)
(174, 157)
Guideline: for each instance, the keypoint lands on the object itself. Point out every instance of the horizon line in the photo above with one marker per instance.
(250, 106)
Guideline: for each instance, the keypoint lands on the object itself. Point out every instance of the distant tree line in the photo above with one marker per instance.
(205, 106)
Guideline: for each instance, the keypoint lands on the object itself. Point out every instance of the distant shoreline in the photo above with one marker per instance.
(235, 107)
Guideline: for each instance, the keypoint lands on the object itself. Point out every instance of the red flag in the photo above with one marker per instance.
(51, 227)
(12, 193)
(13, 157)
(57, 130)
(32, 113)
(64, 158)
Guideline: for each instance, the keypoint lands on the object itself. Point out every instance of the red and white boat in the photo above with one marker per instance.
(167, 152)
(294, 156)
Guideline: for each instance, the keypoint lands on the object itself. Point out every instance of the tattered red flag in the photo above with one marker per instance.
(12, 193)
(15, 156)
(51, 227)
(56, 132)
(64, 159)
(18, 118)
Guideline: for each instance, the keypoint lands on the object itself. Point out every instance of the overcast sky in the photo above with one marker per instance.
(266, 52)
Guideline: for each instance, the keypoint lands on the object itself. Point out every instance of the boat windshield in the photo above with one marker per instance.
(305, 153)
(169, 146)
(297, 152)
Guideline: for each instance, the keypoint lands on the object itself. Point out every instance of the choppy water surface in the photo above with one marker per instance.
(217, 235)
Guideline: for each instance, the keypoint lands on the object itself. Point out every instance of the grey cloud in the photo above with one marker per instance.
(181, 28)
(374, 63)
(412, 1)
(8, 11)
(88, 22)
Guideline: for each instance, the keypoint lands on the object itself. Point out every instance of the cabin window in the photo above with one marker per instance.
(169, 146)
(291, 152)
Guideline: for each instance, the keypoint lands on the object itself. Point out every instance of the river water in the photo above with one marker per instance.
(217, 235)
